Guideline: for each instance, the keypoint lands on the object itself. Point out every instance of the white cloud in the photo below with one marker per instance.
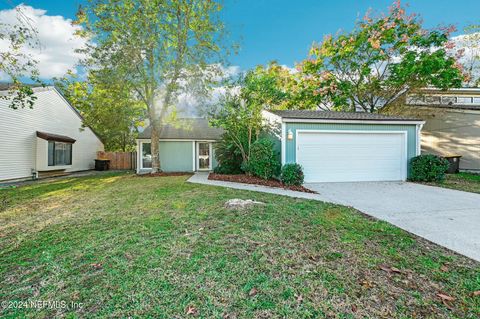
(56, 34)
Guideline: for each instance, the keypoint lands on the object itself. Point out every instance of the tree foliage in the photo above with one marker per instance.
(15, 63)
(158, 47)
(383, 57)
(108, 106)
(471, 61)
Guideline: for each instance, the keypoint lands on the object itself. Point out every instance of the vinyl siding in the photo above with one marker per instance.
(454, 132)
(290, 149)
(19, 150)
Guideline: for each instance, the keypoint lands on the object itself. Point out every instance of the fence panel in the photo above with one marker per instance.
(120, 160)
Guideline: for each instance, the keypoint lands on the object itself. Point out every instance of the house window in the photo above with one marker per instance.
(433, 99)
(146, 155)
(59, 153)
(464, 100)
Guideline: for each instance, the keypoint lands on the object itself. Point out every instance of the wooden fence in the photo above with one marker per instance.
(120, 160)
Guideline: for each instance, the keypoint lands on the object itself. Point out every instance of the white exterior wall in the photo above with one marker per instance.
(21, 150)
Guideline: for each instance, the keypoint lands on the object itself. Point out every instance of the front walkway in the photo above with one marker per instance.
(446, 217)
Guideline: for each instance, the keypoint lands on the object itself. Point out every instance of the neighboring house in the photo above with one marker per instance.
(347, 147)
(185, 146)
(48, 138)
(452, 124)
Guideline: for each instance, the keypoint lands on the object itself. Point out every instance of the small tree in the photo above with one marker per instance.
(471, 61)
(383, 57)
(15, 63)
(108, 106)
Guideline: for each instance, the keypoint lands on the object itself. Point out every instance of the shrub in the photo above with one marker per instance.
(428, 168)
(228, 156)
(292, 174)
(263, 161)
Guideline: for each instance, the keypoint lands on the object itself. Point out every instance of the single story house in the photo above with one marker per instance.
(347, 147)
(184, 146)
(330, 146)
(452, 124)
(44, 140)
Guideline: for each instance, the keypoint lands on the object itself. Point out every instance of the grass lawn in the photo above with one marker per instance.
(117, 245)
(467, 182)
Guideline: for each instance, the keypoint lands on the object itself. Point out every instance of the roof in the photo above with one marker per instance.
(448, 106)
(454, 91)
(55, 137)
(5, 86)
(186, 129)
(339, 116)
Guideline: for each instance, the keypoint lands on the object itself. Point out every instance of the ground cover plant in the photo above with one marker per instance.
(160, 247)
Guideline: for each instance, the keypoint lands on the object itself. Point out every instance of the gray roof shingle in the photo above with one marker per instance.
(346, 116)
(5, 86)
(186, 129)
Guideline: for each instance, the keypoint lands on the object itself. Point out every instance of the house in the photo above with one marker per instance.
(452, 124)
(184, 146)
(46, 139)
(347, 147)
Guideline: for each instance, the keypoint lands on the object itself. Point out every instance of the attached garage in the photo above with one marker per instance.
(348, 147)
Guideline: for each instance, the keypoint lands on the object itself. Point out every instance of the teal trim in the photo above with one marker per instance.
(290, 145)
(176, 156)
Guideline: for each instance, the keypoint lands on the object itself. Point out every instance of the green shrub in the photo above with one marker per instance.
(428, 168)
(292, 174)
(263, 161)
(228, 157)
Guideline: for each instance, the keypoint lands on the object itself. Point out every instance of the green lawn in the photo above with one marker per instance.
(117, 245)
(467, 182)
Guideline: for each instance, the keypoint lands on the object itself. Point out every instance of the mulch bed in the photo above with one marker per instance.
(242, 178)
(164, 174)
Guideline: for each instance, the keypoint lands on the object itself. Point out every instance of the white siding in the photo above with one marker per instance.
(50, 114)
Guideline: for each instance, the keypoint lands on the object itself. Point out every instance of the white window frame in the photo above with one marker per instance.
(197, 154)
(140, 154)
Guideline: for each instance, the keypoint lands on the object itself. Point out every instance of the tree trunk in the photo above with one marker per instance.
(155, 148)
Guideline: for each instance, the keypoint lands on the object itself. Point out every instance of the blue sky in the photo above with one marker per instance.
(283, 30)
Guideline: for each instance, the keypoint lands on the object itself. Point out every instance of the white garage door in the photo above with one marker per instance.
(352, 156)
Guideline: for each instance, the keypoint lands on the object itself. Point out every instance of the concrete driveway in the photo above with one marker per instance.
(447, 217)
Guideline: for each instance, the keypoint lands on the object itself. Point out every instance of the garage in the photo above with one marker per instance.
(348, 147)
(352, 156)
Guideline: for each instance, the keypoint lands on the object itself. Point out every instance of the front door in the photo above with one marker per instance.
(203, 156)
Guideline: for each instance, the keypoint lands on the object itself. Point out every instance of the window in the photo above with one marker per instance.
(59, 153)
(464, 100)
(146, 155)
(433, 99)
(476, 100)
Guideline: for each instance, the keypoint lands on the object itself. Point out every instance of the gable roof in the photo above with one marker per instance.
(186, 129)
(5, 86)
(340, 116)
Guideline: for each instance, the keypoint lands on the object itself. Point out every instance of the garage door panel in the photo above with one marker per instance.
(338, 157)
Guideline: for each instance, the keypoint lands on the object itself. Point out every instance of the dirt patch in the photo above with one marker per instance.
(165, 174)
(245, 179)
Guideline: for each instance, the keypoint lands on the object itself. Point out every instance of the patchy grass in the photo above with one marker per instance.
(122, 246)
(467, 182)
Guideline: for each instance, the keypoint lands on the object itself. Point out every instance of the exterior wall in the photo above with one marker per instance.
(176, 156)
(21, 150)
(454, 132)
(290, 145)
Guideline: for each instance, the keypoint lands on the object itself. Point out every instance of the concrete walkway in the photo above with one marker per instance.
(446, 217)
